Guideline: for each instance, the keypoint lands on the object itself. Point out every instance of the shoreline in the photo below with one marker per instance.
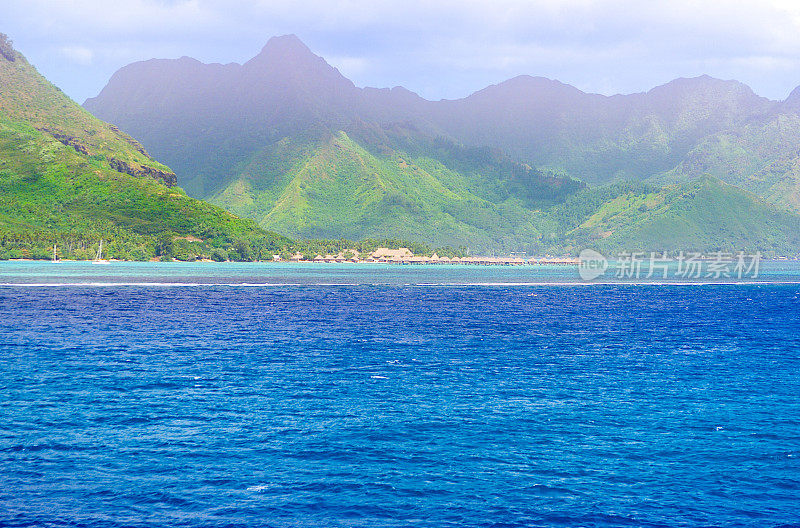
(468, 261)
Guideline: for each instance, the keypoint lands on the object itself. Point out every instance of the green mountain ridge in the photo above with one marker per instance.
(704, 214)
(762, 156)
(26, 96)
(338, 186)
(361, 185)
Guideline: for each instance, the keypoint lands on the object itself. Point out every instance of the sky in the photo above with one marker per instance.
(437, 48)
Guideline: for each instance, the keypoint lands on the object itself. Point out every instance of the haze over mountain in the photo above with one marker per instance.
(289, 141)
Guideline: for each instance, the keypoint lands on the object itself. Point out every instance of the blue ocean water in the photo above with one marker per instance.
(387, 398)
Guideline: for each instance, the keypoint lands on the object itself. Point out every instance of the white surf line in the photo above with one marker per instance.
(142, 284)
(405, 285)
(581, 283)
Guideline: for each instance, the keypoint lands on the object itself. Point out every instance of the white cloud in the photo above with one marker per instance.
(78, 54)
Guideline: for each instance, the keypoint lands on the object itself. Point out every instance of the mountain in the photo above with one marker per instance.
(704, 214)
(201, 118)
(287, 140)
(206, 118)
(371, 181)
(594, 137)
(762, 156)
(281, 139)
(68, 178)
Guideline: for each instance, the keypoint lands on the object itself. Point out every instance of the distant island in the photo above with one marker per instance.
(320, 168)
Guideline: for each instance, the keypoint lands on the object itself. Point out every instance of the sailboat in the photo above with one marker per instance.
(98, 259)
(55, 256)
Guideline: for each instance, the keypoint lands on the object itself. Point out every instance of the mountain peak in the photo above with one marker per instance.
(286, 61)
(285, 48)
(284, 43)
(702, 83)
(792, 103)
(525, 88)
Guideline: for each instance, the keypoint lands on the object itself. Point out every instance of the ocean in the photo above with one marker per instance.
(239, 395)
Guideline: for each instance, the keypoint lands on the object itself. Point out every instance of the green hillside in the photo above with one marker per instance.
(704, 214)
(393, 181)
(763, 157)
(27, 97)
(375, 182)
(69, 179)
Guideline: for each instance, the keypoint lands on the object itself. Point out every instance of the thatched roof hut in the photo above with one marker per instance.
(392, 254)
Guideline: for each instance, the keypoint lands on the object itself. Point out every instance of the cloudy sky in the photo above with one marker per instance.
(438, 48)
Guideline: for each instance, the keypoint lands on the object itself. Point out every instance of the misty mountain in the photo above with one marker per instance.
(287, 140)
(594, 137)
(202, 119)
(207, 118)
